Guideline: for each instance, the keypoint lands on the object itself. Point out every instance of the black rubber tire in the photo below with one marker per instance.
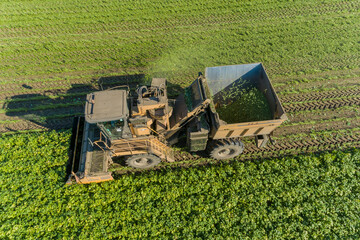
(143, 161)
(225, 148)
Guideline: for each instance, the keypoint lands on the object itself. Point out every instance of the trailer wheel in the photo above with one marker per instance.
(143, 161)
(225, 148)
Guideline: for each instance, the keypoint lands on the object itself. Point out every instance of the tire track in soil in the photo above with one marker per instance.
(319, 95)
(320, 126)
(318, 104)
(280, 149)
(328, 104)
(304, 145)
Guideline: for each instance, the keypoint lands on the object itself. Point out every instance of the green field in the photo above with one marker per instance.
(53, 52)
(40, 38)
(303, 197)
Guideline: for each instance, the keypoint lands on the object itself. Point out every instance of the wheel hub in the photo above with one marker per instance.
(224, 152)
(142, 161)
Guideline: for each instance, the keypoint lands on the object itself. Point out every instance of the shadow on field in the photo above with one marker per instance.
(54, 109)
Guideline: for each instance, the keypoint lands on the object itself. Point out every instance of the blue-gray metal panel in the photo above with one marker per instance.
(221, 77)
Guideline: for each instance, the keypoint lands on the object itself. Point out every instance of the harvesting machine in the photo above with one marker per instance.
(142, 125)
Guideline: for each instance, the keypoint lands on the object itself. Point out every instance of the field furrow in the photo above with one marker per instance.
(322, 104)
(319, 95)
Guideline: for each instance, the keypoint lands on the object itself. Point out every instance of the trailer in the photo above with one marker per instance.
(222, 79)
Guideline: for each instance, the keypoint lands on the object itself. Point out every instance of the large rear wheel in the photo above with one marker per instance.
(143, 161)
(225, 148)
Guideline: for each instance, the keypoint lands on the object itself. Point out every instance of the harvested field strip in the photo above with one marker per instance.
(318, 112)
(55, 92)
(320, 126)
(138, 27)
(284, 80)
(252, 152)
(330, 86)
(318, 134)
(48, 124)
(320, 96)
(319, 141)
(301, 143)
(289, 124)
(30, 97)
(37, 104)
(329, 104)
(42, 113)
(44, 107)
(297, 151)
(43, 119)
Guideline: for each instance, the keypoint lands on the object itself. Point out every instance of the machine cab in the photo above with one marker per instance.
(109, 111)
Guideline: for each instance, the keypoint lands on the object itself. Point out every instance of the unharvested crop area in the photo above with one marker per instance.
(303, 197)
(52, 53)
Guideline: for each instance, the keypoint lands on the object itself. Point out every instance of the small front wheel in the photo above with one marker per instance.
(225, 148)
(143, 161)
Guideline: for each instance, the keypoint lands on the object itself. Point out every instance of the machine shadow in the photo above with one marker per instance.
(54, 109)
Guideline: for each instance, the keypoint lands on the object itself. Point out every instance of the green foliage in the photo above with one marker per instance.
(40, 38)
(309, 196)
(244, 105)
(188, 98)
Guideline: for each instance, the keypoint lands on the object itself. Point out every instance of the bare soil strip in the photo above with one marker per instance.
(319, 95)
(322, 104)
